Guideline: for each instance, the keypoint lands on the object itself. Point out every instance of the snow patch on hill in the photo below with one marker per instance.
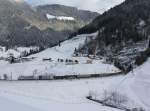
(60, 17)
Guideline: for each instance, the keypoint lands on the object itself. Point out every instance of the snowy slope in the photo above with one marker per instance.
(137, 86)
(65, 51)
(141, 85)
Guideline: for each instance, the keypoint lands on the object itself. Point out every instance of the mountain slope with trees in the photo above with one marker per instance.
(23, 25)
(81, 17)
(123, 33)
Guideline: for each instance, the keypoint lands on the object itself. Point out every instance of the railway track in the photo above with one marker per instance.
(69, 77)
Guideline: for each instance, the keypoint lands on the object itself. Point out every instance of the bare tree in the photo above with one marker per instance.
(114, 98)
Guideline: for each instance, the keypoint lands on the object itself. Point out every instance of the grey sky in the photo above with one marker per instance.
(93, 5)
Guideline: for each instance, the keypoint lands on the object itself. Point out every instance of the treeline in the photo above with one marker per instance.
(32, 51)
(142, 57)
(21, 37)
(122, 23)
(128, 13)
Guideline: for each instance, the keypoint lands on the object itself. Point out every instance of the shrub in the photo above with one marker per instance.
(114, 98)
(141, 59)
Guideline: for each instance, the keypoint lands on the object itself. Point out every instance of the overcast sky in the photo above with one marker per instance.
(93, 5)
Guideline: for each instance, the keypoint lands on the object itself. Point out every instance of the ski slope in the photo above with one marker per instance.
(64, 51)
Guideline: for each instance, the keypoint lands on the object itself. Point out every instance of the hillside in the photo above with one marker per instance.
(19, 26)
(23, 25)
(136, 85)
(123, 32)
(79, 17)
(65, 51)
(61, 10)
(126, 11)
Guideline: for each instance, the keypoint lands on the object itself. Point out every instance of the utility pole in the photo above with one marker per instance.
(11, 76)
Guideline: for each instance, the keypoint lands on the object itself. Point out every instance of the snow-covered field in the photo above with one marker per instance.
(65, 51)
(54, 95)
(70, 95)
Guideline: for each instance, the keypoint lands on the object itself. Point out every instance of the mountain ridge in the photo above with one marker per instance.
(62, 10)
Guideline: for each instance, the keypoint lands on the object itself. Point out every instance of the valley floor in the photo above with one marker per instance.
(54, 95)
(65, 95)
